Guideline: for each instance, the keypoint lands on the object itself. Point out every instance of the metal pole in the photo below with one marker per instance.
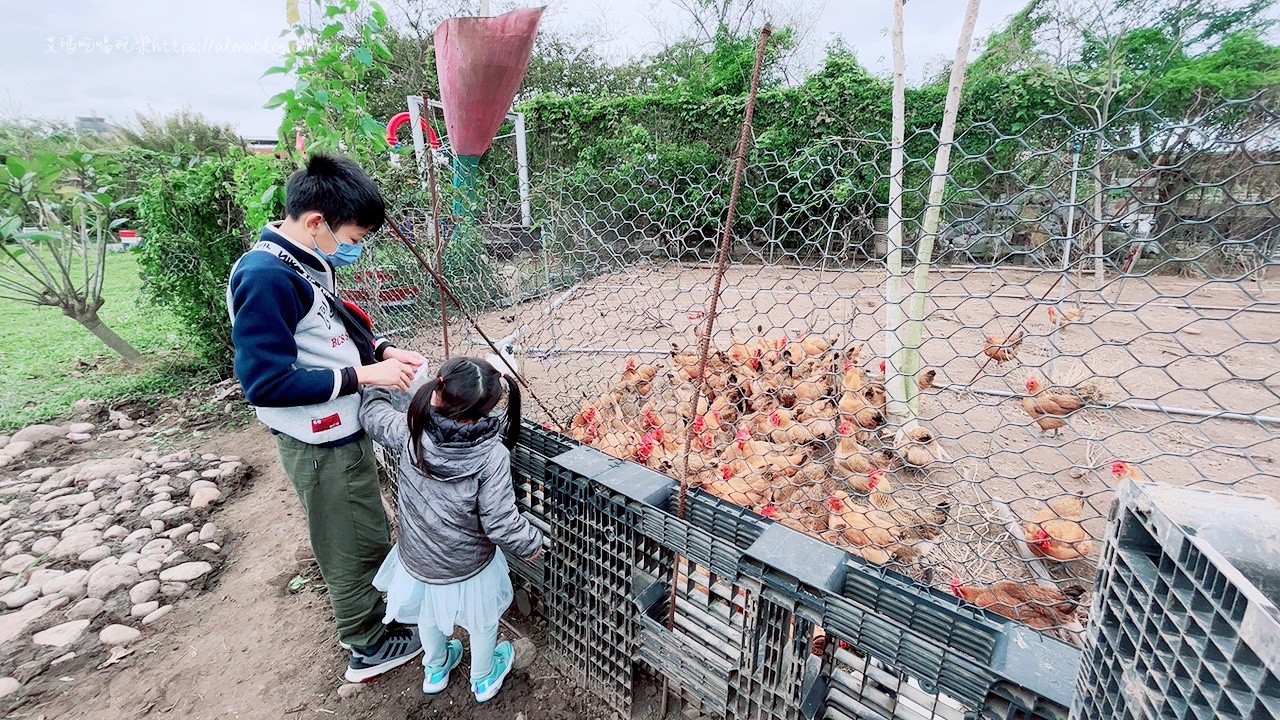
(1068, 238)
(522, 170)
(415, 126)
(484, 8)
(1145, 407)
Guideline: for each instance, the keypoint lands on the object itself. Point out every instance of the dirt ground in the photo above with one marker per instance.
(247, 648)
(1160, 341)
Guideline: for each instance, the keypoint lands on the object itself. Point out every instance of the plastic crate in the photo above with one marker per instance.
(1184, 622)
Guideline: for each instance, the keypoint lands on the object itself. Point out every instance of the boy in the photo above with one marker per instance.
(301, 357)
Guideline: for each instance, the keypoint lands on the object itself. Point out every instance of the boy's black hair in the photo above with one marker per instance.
(470, 388)
(339, 190)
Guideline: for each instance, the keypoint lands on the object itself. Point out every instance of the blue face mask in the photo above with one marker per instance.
(346, 254)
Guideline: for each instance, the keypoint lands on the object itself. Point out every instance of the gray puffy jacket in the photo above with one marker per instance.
(451, 518)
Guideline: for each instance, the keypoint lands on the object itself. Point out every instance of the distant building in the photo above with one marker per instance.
(261, 145)
(91, 124)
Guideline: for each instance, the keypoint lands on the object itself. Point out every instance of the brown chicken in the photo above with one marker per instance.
(1054, 532)
(1049, 408)
(925, 381)
(851, 458)
(866, 406)
(1003, 351)
(1066, 317)
(873, 531)
(1121, 470)
(916, 447)
(747, 490)
(1039, 607)
(746, 455)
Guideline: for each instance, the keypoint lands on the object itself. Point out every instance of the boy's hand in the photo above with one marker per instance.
(408, 357)
(388, 374)
(537, 554)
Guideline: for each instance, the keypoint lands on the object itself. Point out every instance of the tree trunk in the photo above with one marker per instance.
(897, 385)
(933, 212)
(118, 345)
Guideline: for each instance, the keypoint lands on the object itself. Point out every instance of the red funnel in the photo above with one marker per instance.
(481, 62)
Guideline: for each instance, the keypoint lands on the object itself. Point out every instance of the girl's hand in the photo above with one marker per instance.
(408, 357)
(536, 556)
(388, 374)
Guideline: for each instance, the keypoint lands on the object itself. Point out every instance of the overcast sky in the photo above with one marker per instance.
(76, 57)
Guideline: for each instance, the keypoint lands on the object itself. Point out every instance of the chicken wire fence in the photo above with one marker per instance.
(1098, 307)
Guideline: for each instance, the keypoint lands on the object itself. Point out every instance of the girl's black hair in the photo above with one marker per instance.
(469, 389)
(338, 189)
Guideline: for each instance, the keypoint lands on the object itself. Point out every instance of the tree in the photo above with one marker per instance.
(185, 134)
(61, 261)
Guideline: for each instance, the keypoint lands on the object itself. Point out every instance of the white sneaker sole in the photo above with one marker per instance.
(367, 674)
(494, 688)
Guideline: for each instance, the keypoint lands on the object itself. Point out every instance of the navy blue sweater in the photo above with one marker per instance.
(268, 299)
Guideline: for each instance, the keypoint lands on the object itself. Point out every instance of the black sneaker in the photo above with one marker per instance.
(399, 646)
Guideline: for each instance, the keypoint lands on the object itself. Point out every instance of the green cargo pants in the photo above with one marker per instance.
(349, 533)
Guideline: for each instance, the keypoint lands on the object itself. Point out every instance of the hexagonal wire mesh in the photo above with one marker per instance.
(1088, 304)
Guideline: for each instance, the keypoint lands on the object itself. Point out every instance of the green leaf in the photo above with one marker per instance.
(333, 11)
(297, 583)
(16, 168)
(9, 226)
(379, 14)
(117, 223)
(363, 56)
(276, 100)
(269, 195)
(276, 70)
(322, 97)
(331, 31)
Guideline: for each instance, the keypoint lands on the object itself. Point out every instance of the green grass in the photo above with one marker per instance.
(49, 361)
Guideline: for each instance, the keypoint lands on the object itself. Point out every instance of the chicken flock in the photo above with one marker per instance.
(790, 430)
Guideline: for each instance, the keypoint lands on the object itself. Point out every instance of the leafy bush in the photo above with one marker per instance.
(195, 227)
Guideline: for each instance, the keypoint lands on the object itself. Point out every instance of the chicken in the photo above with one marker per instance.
(872, 531)
(746, 454)
(817, 345)
(585, 427)
(633, 373)
(1038, 607)
(925, 381)
(825, 410)
(782, 429)
(851, 458)
(886, 459)
(917, 448)
(869, 482)
(1055, 532)
(852, 377)
(620, 444)
(1122, 470)
(910, 522)
(744, 489)
(866, 406)
(1003, 351)
(787, 397)
(1064, 317)
(1049, 408)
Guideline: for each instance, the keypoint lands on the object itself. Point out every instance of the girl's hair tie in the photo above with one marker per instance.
(439, 379)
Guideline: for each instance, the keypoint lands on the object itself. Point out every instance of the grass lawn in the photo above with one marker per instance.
(49, 361)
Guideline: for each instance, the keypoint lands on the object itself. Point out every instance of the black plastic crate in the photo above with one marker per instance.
(1184, 618)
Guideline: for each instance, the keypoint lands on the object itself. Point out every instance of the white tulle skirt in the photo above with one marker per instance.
(475, 603)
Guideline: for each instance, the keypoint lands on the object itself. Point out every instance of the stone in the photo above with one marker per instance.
(89, 509)
(139, 535)
(125, 423)
(11, 548)
(155, 508)
(173, 590)
(86, 609)
(64, 659)
(346, 691)
(159, 613)
(9, 686)
(129, 490)
(192, 538)
(44, 545)
(16, 564)
(174, 512)
(13, 624)
(109, 579)
(159, 546)
(123, 507)
(116, 532)
(70, 585)
(149, 565)
(82, 427)
(77, 500)
(95, 469)
(72, 545)
(230, 458)
(208, 532)
(215, 547)
(16, 449)
(189, 476)
(42, 576)
(61, 635)
(144, 591)
(204, 497)
(97, 485)
(201, 484)
(113, 560)
(142, 610)
(20, 597)
(78, 438)
(180, 532)
(118, 635)
(94, 554)
(158, 526)
(161, 496)
(130, 558)
(4, 440)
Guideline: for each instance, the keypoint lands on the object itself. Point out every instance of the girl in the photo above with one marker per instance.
(457, 508)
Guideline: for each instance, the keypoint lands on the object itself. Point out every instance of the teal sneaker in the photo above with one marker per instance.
(438, 676)
(504, 656)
